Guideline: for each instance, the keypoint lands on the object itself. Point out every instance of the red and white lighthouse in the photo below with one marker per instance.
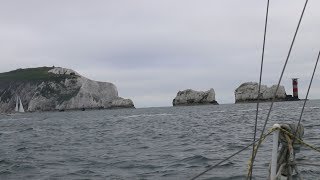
(295, 88)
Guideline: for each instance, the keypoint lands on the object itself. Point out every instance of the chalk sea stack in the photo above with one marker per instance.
(56, 88)
(248, 92)
(192, 97)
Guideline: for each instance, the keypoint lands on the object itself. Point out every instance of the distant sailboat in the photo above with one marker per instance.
(21, 109)
(19, 106)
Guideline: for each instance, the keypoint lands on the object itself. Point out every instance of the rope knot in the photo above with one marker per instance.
(289, 147)
(293, 129)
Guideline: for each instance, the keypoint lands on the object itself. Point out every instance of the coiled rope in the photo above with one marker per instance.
(300, 140)
(286, 139)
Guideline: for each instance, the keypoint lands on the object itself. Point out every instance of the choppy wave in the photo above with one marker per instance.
(164, 143)
(249, 110)
(145, 115)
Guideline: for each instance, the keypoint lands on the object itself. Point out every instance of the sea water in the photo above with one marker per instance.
(148, 143)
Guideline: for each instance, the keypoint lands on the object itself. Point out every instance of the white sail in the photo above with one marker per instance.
(20, 106)
(17, 105)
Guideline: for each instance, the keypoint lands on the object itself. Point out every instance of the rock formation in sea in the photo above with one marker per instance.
(56, 88)
(192, 97)
(122, 103)
(248, 92)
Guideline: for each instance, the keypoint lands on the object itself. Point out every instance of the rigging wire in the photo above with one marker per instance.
(271, 106)
(283, 69)
(259, 89)
(305, 100)
(224, 160)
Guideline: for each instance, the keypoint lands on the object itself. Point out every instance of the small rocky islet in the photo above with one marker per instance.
(56, 88)
(246, 93)
(192, 97)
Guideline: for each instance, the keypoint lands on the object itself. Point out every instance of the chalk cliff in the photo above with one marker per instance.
(191, 97)
(248, 92)
(56, 88)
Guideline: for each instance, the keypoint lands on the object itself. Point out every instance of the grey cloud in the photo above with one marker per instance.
(152, 49)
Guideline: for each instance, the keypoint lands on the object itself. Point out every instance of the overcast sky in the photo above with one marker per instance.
(151, 49)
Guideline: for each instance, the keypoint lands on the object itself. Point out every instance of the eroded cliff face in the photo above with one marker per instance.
(63, 91)
(192, 97)
(248, 92)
